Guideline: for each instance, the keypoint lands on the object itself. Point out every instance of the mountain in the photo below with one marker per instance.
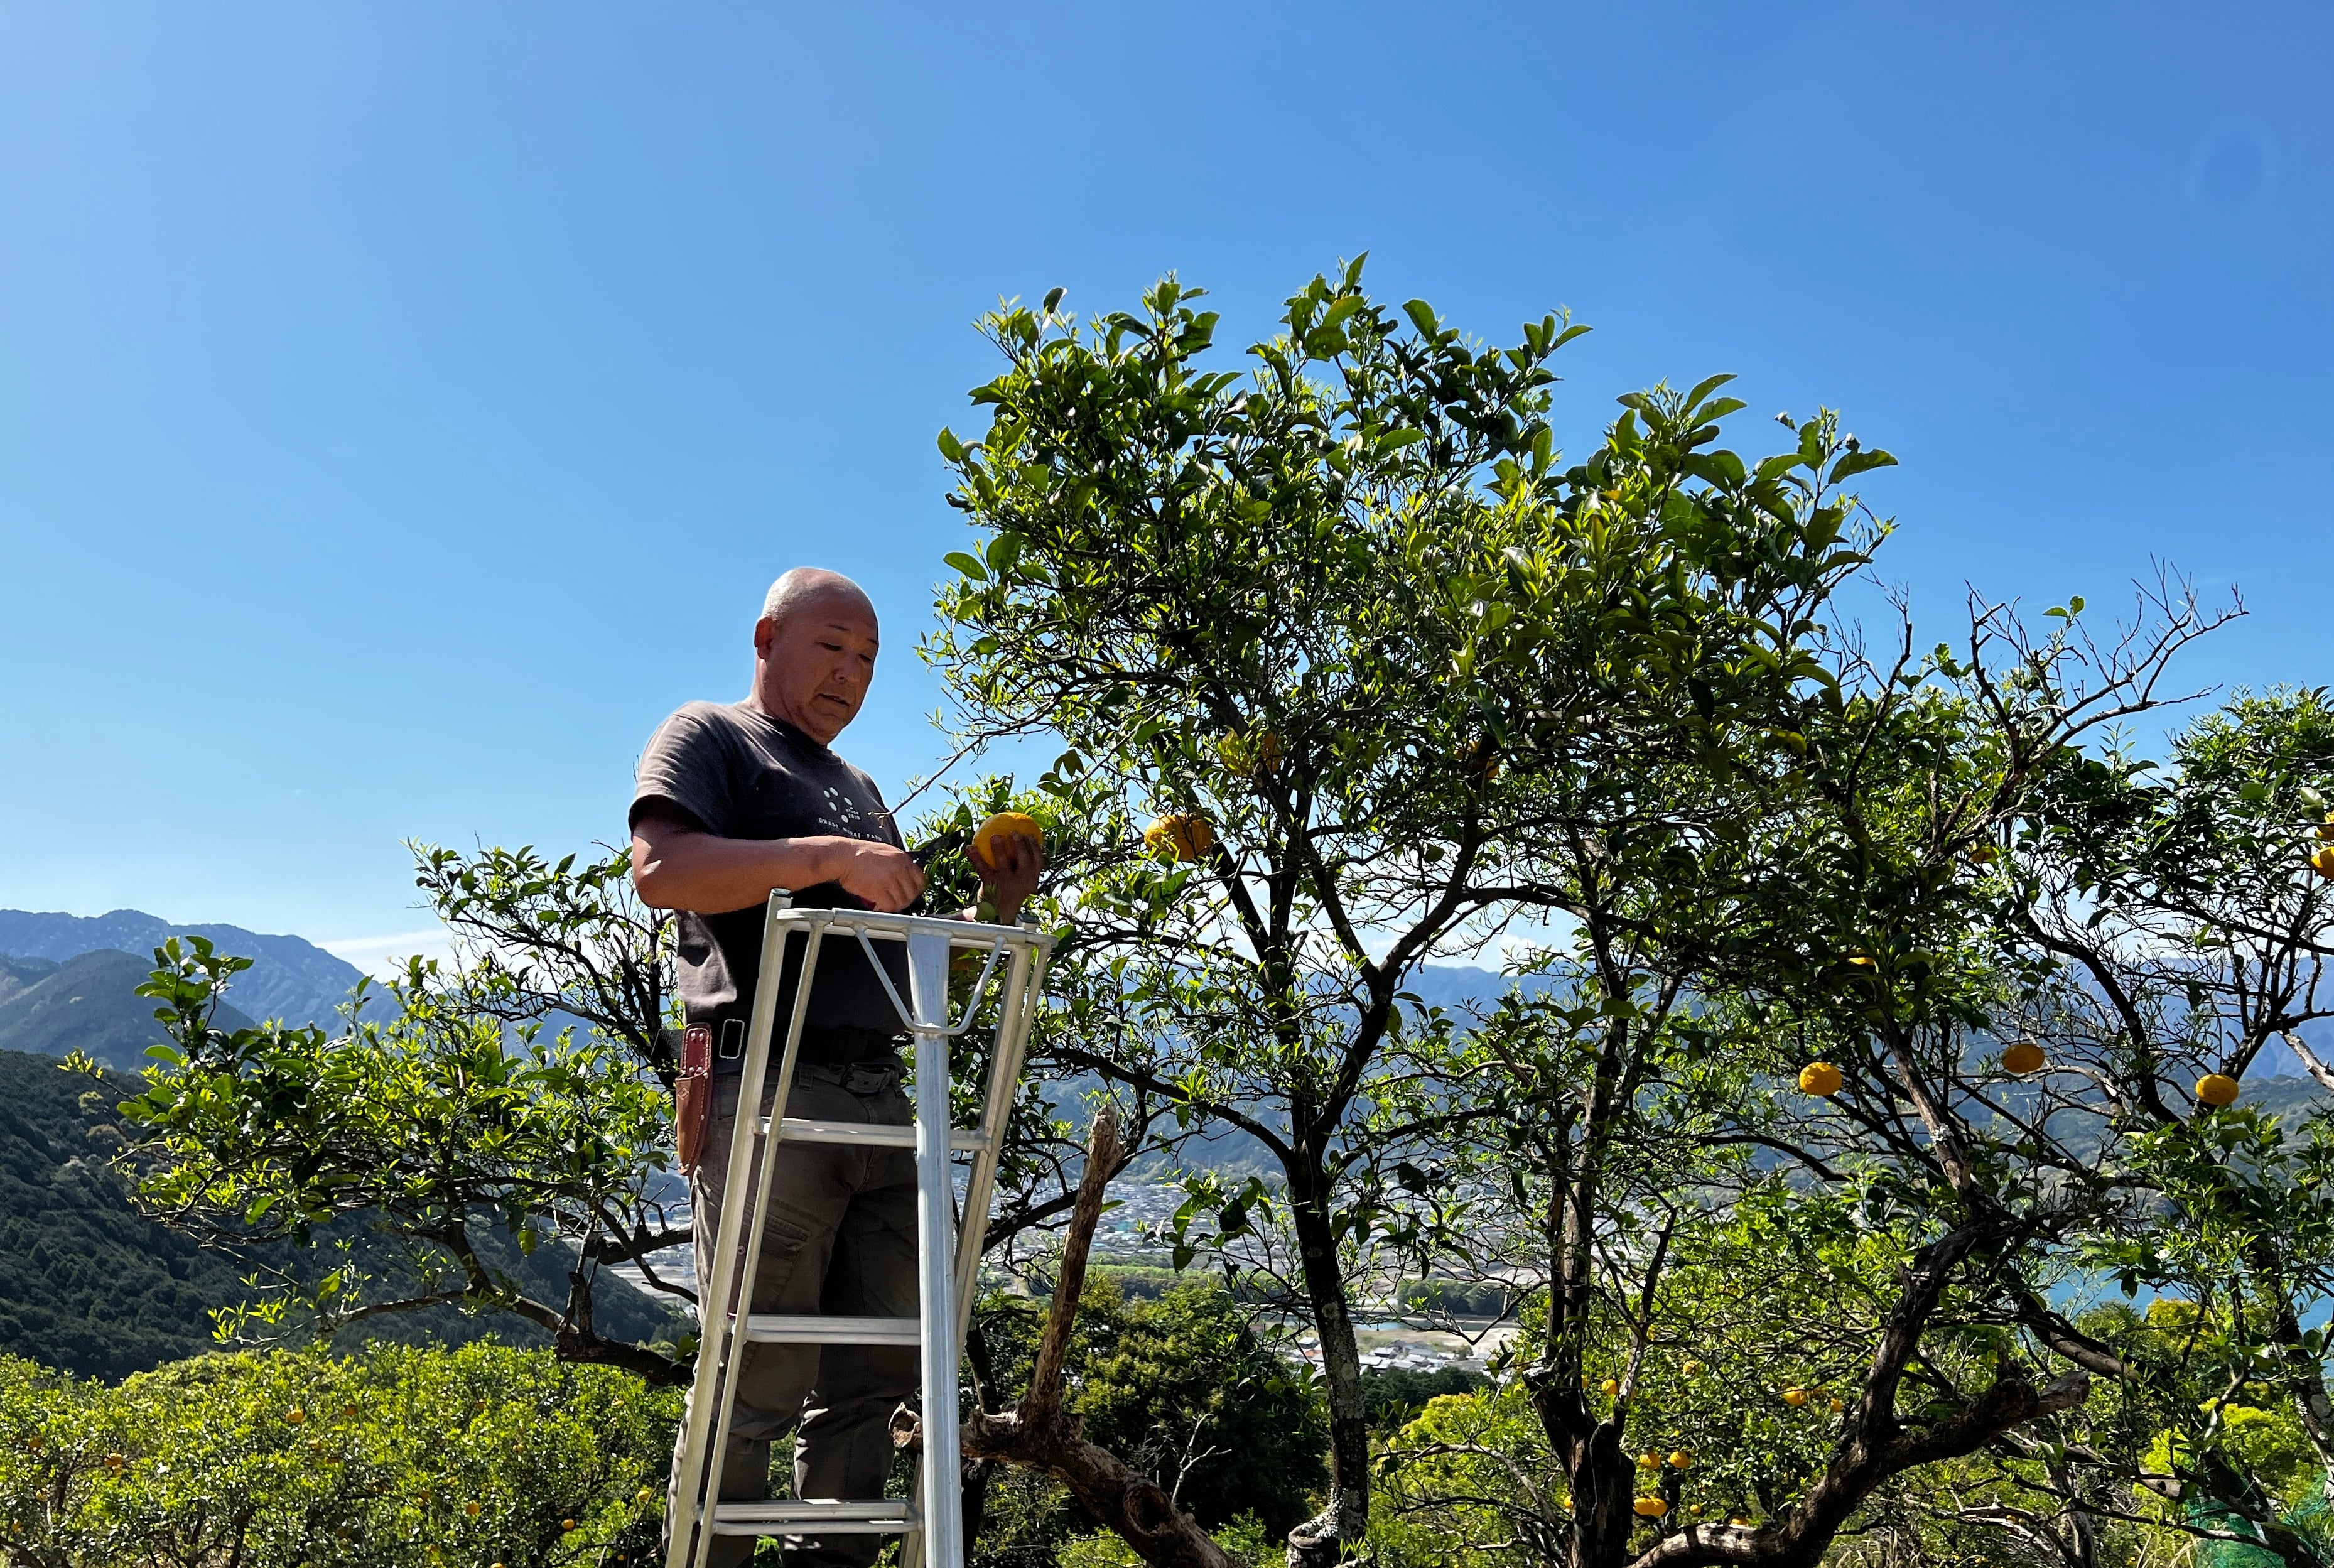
(292, 979)
(88, 1003)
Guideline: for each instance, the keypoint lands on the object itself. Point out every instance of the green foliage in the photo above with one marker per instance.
(90, 1284)
(87, 1283)
(1395, 1395)
(1471, 1480)
(1244, 1538)
(396, 1459)
(1182, 1387)
(423, 1121)
(1352, 612)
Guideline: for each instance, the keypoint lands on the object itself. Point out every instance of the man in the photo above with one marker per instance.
(732, 801)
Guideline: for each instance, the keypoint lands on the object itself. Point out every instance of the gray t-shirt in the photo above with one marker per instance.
(733, 771)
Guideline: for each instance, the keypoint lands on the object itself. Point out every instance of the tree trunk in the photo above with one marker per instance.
(1602, 1477)
(1329, 1535)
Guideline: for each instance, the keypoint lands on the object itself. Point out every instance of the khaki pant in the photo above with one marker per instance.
(839, 1237)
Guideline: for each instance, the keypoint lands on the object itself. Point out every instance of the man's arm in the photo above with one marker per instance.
(676, 866)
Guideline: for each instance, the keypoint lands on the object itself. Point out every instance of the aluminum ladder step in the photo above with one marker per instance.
(886, 1516)
(823, 1329)
(801, 1130)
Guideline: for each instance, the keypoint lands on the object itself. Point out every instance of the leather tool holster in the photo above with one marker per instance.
(692, 1096)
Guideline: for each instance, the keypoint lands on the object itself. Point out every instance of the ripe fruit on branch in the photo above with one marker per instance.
(1794, 1396)
(2217, 1089)
(1820, 1079)
(990, 836)
(1681, 1460)
(2023, 1057)
(1652, 1507)
(1610, 1387)
(1252, 756)
(1692, 1368)
(1649, 1461)
(2321, 860)
(2326, 829)
(1180, 837)
(1481, 757)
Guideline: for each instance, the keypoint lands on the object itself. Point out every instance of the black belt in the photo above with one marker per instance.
(838, 1046)
(843, 1046)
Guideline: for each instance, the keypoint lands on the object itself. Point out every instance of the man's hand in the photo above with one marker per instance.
(882, 876)
(1008, 879)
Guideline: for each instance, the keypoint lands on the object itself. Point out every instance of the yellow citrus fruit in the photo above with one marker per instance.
(2326, 828)
(1652, 1507)
(1692, 1368)
(471, 1509)
(2217, 1089)
(1180, 837)
(295, 1416)
(1649, 1461)
(1820, 1079)
(1481, 757)
(2322, 859)
(1695, 1509)
(1252, 756)
(568, 1524)
(987, 837)
(1610, 1386)
(1680, 1459)
(1794, 1397)
(1837, 1407)
(1738, 1521)
(115, 1461)
(2023, 1057)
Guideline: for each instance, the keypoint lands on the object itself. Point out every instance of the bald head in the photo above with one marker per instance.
(814, 651)
(799, 591)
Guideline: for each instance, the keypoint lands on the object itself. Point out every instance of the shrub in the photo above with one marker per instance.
(400, 1458)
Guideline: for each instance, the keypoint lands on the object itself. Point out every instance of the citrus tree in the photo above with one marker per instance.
(426, 1122)
(1336, 648)
(400, 1457)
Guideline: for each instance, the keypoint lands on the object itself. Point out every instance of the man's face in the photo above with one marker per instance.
(815, 664)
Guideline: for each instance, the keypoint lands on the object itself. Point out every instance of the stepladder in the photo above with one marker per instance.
(999, 971)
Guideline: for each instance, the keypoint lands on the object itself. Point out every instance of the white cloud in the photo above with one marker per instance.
(380, 954)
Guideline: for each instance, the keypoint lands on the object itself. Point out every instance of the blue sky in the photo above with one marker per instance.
(403, 406)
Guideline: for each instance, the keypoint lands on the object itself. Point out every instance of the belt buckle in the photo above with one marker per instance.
(861, 1078)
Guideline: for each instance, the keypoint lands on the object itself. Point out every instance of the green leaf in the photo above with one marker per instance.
(1853, 463)
(1704, 388)
(968, 564)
